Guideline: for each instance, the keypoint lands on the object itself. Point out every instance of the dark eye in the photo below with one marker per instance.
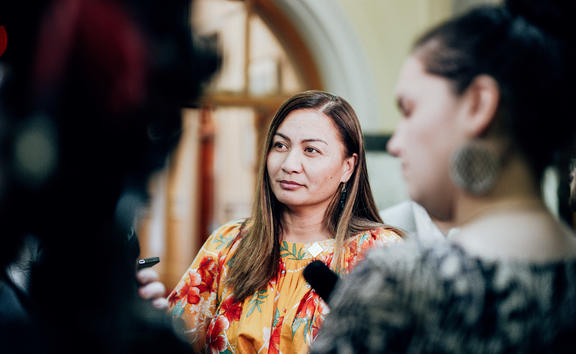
(279, 146)
(405, 108)
(311, 150)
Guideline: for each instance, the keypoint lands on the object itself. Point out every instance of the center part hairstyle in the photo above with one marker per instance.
(258, 256)
(527, 46)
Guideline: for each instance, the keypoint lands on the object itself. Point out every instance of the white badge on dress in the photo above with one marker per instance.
(315, 249)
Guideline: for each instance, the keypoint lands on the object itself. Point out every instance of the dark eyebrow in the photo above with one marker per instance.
(283, 136)
(314, 141)
(310, 140)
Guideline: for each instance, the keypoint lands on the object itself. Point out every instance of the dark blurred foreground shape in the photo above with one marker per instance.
(90, 100)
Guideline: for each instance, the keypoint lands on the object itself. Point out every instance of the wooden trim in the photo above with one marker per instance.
(238, 100)
(248, 5)
(290, 38)
(205, 174)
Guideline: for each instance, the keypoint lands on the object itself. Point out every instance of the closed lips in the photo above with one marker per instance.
(292, 183)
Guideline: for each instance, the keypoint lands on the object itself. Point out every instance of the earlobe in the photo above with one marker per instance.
(349, 167)
(484, 97)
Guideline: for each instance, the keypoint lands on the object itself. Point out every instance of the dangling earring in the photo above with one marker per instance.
(475, 167)
(342, 197)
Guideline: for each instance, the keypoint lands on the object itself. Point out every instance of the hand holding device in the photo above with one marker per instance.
(150, 288)
(147, 262)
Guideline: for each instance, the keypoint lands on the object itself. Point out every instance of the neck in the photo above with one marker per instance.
(511, 222)
(305, 224)
(516, 189)
(443, 226)
(500, 206)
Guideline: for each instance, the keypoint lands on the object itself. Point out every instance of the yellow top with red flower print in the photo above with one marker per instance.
(283, 318)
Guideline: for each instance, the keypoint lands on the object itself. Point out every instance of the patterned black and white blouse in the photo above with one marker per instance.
(416, 298)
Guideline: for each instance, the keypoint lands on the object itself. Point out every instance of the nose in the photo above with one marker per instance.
(292, 162)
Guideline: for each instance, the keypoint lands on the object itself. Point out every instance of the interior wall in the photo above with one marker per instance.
(463, 5)
(386, 30)
(337, 52)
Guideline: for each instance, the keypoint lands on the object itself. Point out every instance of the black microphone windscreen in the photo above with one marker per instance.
(321, 278)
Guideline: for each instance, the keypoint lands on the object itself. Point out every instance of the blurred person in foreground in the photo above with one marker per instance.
(244, 291)
(486, 101)
(572, 187)
(90, 103)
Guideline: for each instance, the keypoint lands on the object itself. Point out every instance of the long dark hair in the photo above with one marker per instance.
(524, 46)
(260, 247)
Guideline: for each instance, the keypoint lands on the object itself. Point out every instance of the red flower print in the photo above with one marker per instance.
(189, 290)
(327, 259)
(231, 309)
(315, 327)
(281, 272)
(308, 305)
(217, 334)
(357, 248)
(274, 346)
(321, 312)
(351, 259)
(206, 271)
(371, 242)
(193, 296)
(221, 261)
(198, 281)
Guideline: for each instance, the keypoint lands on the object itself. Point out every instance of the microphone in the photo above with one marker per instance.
(321, 278)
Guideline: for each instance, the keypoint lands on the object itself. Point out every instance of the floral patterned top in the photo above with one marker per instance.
(283, 318)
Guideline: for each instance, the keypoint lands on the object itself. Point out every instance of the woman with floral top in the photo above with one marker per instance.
(245, 292)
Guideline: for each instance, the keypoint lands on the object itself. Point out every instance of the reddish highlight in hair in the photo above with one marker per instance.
(113, 50)
(3, 39)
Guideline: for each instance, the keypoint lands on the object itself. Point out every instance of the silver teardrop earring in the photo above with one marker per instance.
(475, 167)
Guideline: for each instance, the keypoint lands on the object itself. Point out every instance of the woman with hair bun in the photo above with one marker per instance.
(486, 102)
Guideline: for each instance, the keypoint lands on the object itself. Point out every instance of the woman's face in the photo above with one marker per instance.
(426, 136)
(307, 162)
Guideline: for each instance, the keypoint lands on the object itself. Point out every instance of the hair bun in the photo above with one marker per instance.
(553, 16)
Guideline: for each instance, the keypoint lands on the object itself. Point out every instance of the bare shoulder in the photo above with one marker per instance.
(539, 238)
